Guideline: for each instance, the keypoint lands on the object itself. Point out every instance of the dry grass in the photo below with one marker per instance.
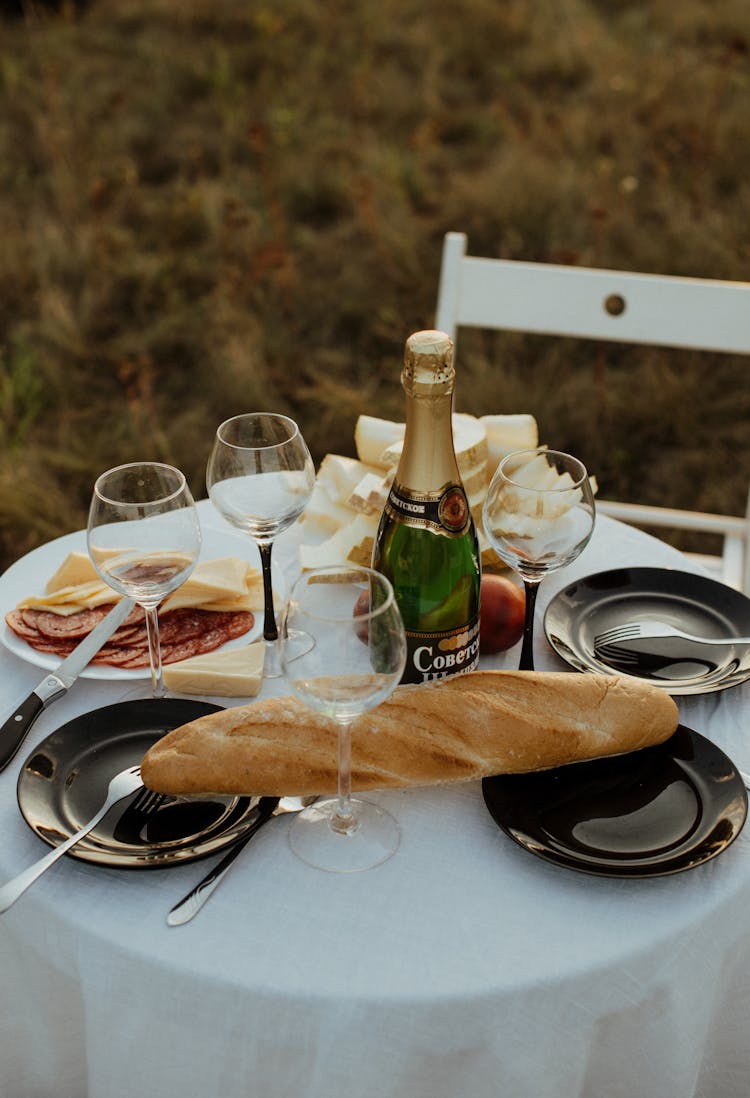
(213, 207)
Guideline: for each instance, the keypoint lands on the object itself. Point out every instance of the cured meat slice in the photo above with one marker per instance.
(116, 657)
(29, 618)
(16, 621)
(61, 648)
(185, 632)
(70, 626)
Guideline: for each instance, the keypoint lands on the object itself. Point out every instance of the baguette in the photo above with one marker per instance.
(468, 726)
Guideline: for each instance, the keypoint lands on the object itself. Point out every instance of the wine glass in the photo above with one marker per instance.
(260, 477)
(538, 516)
(144, 538)
(357, 660)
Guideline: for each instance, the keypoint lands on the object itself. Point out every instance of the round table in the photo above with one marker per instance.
(464, 965)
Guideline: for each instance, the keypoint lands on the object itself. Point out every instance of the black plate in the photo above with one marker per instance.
(693, 603)
(645, 814)
(64, 781)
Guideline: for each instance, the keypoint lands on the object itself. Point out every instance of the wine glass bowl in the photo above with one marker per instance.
(538, 515)
(355, 664)
(260, 477)
(143, 539)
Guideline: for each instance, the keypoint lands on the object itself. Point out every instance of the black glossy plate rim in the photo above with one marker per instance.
(712, 809)
(573, 606)
(64, 779)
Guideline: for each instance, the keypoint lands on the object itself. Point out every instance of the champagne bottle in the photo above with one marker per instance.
(426, 542)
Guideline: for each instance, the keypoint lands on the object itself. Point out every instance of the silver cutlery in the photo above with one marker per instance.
(58, 682)
(122, 785)
(132, 824)
(190, 905)
(647, 630)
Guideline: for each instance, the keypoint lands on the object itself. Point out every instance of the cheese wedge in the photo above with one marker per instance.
(323, 513)
(353, 542)
(340, 523)
(231, 673)
(340, 475)
(506, 433)
(370, 494)
(373, 436)
(469, 443)
(475, 482)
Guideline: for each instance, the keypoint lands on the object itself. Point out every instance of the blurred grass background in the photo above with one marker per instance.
(219, 206)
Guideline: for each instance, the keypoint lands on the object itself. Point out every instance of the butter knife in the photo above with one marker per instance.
(189, 906)
(57, 683)
(268, 807)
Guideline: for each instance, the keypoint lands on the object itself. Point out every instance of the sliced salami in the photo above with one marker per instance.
(16, 621)
(115, 657)
(29, 618)
(61, 648)
(69, 626)
(183, 633)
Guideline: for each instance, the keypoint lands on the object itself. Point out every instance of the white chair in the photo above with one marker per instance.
(695, 313)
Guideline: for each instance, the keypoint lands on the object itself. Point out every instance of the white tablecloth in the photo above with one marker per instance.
(463, 966)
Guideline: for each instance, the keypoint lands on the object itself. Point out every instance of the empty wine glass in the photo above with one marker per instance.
(144, 538)
(357, 660)
(538, 516)
(260, 477)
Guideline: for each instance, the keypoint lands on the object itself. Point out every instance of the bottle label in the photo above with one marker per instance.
(444, 512)
(433, 656)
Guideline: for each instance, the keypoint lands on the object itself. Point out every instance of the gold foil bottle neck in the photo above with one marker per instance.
(428, 364)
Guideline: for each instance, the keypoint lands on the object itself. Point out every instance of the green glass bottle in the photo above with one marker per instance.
(426, 542)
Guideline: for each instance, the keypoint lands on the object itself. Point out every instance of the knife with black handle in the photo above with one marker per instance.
(57, 683)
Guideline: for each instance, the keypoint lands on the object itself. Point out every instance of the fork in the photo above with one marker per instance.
(122, 785)
(136, 815)
(646, 630)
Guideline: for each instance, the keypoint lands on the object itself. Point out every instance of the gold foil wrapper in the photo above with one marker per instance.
(428, 364)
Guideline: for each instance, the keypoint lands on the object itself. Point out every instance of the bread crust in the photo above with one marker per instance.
(462, 728)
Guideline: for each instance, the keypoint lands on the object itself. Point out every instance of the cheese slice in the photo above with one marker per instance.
(69, 600)
(227, 583)
(76, 570)
(228, 673)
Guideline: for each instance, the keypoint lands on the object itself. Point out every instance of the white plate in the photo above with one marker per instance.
(29, 575)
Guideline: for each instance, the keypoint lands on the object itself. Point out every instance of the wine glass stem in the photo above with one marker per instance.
(270, 632)
(527, 649)
(154, 652)
(344, 822)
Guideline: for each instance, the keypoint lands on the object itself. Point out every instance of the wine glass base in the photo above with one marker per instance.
(297, 644)
(138, 690)
(314, 840)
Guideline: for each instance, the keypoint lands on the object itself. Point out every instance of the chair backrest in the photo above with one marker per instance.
(696, 313)
(703, 314)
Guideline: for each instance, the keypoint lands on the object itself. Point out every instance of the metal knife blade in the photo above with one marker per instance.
(189, 906)
(58, 682)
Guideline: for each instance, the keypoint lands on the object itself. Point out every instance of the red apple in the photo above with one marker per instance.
(502, 613)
